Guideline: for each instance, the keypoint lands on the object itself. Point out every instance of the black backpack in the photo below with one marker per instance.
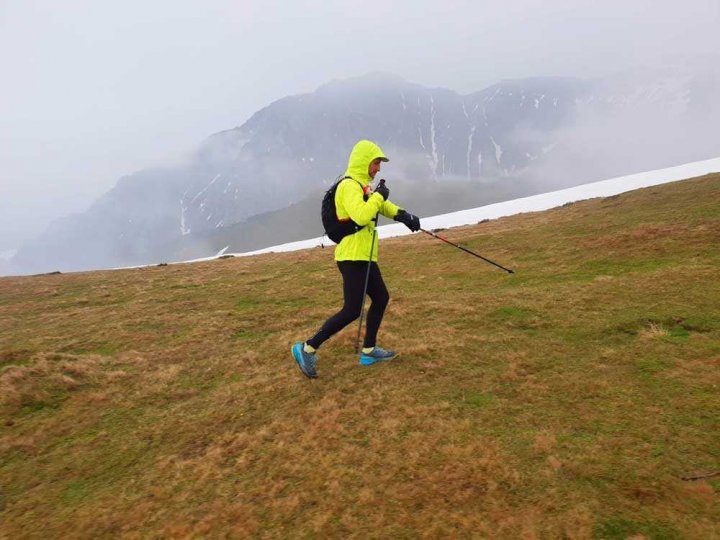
(335, 229)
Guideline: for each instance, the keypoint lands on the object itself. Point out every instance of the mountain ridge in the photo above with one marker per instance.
(297, 144)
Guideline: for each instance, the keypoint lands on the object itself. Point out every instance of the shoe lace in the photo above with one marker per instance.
(310, 359)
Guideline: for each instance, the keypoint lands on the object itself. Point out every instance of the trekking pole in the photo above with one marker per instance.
(467, 250)
(367, 279)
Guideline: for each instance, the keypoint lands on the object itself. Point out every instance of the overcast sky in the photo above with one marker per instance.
(91, 90)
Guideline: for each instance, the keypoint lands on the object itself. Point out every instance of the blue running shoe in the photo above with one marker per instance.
(378, 354)
(305, 361)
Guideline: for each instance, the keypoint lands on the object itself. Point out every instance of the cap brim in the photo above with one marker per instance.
(383, 159)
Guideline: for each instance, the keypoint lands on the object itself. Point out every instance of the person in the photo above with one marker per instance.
(355, 200)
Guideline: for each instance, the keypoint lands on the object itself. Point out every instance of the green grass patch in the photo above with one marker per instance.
(251, 334)
(651, 366)
(91, 347)
(615, 267)
(248, 303)
(621, 528)
(74, 493)
(14, 358)
(477, 400)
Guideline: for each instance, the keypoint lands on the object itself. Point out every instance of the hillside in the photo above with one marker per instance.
(573, 398)
(271, 228)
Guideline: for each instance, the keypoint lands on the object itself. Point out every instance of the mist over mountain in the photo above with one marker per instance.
(261, 182)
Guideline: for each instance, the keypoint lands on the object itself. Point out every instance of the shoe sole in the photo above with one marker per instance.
(376, 360)
(299, 363)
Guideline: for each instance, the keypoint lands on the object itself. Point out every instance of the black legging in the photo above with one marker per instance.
(353, 273)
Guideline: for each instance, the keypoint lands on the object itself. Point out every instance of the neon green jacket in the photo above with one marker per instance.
(349, 204)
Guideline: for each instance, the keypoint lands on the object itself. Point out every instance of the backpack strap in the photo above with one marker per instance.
(365, 194)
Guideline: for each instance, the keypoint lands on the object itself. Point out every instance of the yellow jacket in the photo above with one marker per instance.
(349, 203)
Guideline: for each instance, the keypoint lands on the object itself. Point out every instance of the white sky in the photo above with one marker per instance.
(91, 90)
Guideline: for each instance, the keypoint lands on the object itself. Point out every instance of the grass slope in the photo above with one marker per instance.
(567, 400)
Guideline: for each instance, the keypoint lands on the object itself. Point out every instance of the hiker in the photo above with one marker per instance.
(354, 200)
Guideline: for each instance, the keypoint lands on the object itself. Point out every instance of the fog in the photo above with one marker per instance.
(605, 142)
(92, 91)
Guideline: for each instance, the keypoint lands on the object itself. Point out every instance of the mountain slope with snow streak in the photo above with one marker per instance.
(535, 203)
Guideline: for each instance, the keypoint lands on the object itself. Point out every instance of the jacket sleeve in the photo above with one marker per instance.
(361, 212)
(389, 209)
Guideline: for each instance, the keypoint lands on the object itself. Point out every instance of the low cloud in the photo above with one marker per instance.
(608, 140)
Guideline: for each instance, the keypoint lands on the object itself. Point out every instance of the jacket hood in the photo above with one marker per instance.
(362, 154)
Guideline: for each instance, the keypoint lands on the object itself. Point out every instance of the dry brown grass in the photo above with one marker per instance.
(567, 400)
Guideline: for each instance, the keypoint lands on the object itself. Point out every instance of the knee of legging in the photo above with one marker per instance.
(351, 313)
(382, 299)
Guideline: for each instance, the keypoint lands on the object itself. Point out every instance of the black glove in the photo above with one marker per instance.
(383, 190)
(411, 221)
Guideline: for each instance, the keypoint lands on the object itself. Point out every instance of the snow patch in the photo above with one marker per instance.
(432, 137)
(498, 150)
(469, 149)
(205, 188)
(548, 148)
(422, 143)
(184, 229)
